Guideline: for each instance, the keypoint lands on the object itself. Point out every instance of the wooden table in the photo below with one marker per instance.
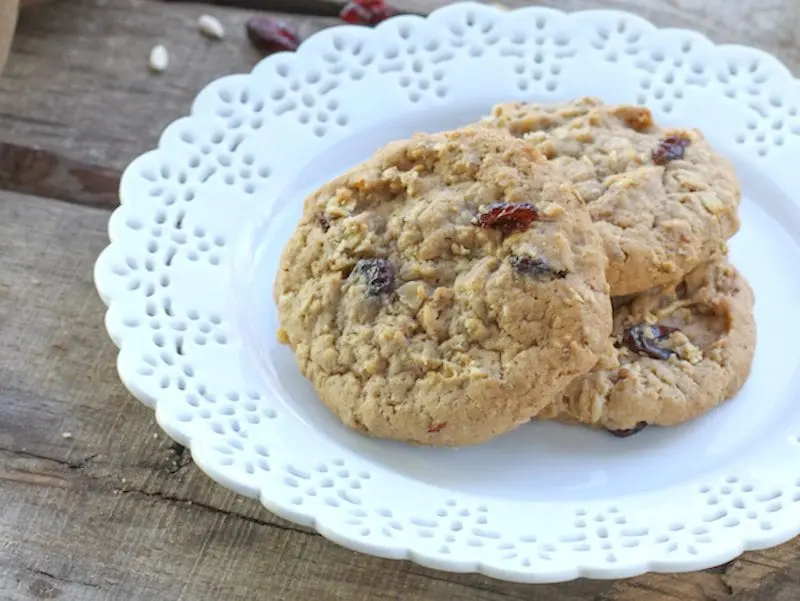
(97, 503)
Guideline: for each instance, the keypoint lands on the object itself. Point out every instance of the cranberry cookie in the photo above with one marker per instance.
(680, 351)
(662, 199)
(445, 290)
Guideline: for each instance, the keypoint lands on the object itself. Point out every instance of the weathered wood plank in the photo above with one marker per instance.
(767, 24)
(54, 175)
(78, 84)
(101, 93)
(117, 511)
(123, 107)
(318, 8)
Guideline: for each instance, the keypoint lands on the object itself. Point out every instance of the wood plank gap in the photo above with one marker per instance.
(317, 8)
(39, 172)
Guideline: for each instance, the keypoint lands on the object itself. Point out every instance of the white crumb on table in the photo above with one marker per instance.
(159, 59)
(211, 27)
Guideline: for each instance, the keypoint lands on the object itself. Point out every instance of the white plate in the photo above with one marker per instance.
(188, 280)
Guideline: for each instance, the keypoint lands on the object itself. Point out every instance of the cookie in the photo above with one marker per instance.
(662, 199)
(445, 290)
(680, 351)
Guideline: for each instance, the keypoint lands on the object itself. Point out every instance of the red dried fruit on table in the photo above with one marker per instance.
(367, 12)
(535, 267)
(629, 432)
(507, 217)
(378, 275)
(270, 35)
(669, 149)
(643, 338)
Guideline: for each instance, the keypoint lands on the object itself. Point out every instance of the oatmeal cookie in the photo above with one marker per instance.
(680, 351)
(662, 199)
(445, 290)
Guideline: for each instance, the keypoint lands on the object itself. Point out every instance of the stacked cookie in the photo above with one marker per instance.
(664, 203)
(551, 262)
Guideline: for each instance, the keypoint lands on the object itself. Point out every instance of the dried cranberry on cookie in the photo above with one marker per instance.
(663, 200)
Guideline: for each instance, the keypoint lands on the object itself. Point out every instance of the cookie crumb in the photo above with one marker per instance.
(637, 118)
(689, 352)
(66, 435)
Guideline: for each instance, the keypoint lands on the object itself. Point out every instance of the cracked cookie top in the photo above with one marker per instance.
(445, 290)
(663, 200)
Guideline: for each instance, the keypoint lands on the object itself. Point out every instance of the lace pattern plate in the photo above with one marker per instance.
(194, 248)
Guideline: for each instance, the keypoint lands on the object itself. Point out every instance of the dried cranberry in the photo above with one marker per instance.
(643, 339)
(436, 428)
(270, 35)
(367, 12)
(322, 222)
(378, 275)
(507, 217)
(669, 149)
(630, 432)
(531, 266)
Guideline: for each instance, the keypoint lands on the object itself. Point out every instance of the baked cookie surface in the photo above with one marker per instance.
(680, 351)
(445, 290)
(662, 199)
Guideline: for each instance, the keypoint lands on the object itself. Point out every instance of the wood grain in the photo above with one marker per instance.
(78, 83)
(116, 511)
(767, 24)
(44, 172)
(117, 108)
(317, 8)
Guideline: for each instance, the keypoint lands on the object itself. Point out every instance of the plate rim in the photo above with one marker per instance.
(167, 423)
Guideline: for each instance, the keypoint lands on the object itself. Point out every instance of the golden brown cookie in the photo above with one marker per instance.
(445, 290)
(680, 351)
(663, 200)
